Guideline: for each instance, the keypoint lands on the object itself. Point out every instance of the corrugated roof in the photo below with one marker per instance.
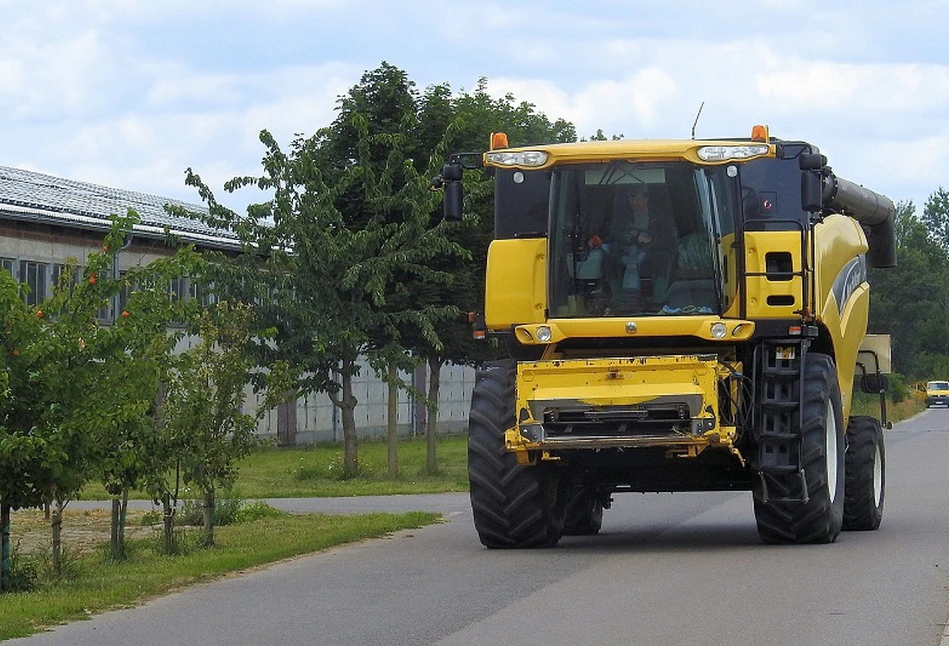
(28, 195)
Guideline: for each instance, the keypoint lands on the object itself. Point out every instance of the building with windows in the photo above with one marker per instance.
(45, 221)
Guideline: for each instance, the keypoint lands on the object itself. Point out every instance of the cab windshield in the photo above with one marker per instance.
(645, 239)
(938, 385)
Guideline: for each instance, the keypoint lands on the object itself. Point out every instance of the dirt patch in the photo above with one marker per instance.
(84, 530)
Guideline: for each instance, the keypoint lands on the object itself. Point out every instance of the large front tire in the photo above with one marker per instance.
(819, 520)
(866, 474)
(514, 505)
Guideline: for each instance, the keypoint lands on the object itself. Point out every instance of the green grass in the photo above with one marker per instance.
(864, 404)
(95, 585)
(316, 471)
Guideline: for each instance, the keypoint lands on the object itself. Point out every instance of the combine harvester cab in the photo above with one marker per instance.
(681, 315)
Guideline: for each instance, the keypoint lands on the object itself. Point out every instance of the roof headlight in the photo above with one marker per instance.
(522, 158)
(718, 330)
(543, 334)
(724, 153)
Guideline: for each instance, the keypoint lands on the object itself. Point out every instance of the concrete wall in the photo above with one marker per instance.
(317, 420)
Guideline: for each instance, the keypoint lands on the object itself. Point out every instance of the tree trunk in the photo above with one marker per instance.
(114, 536)
(56, 523)
(431, 421)
(208, 513)
(392, 428)
(348, 411)
(123, 517)
(168, 522)
(117, 538)
(5, 564)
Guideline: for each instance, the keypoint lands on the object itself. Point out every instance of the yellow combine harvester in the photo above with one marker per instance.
(681, 315)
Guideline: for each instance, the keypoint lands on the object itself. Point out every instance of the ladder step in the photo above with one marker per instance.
(766, 499)
(781, 404)
(787, 373)
(779, 468)
(778, 435)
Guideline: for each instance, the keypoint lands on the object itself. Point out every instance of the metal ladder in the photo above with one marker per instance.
(780, 390)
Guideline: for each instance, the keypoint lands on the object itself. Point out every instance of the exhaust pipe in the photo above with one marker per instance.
(874, 211)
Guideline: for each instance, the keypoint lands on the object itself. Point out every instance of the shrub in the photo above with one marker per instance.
(23, 572)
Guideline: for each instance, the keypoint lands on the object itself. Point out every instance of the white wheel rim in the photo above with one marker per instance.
(877, 476)
(830, 451)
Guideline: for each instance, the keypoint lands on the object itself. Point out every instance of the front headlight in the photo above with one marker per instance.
(543, 334)
(522, 158)
(723, 153)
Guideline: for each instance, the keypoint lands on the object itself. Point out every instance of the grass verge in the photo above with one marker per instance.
(864, 404)
(94, 585)
(316, 471)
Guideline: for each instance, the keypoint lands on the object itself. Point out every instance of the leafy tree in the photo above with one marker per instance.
(60, 386)
(322, 257)
(143, 339)
(464, 123)
(910, 301)
(20, 450)
(378, 128)
(204, 401)
(936, 217)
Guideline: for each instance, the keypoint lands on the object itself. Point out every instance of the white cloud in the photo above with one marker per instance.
(802, 85)
(131, 93)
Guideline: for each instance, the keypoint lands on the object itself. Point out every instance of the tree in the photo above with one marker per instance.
(936, 217)
(20, 451)
(60, 388)
(383, 110)
(349, 219)
(464, 123)
(133, 453)
(910, 301)
(204, 400)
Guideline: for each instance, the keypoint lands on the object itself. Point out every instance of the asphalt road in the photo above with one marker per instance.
(666, 569)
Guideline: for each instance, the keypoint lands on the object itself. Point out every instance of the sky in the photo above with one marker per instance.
(131, 93)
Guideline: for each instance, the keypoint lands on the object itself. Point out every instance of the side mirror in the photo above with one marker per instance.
(812, 183)
(874, 384)
(454, 200)
(812, 161)
(450, 179)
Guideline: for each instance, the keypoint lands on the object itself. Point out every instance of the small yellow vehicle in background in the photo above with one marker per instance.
(937, 392)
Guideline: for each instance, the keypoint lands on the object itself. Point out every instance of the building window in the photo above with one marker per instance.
(35, 275)
(56, 275)
(178, 288)
(203, 293)
(8, 264)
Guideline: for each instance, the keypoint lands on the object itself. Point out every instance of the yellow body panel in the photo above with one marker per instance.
(838, 240)
(632, 326)
(644, 150)
(515, 283)
(604, 384)
(767, 296)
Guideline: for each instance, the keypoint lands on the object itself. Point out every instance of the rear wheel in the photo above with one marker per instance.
(584, 515)
(819, 519)
(514, 505)
(866, 474)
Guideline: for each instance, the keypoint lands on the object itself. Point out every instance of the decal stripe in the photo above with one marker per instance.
(851, 276)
